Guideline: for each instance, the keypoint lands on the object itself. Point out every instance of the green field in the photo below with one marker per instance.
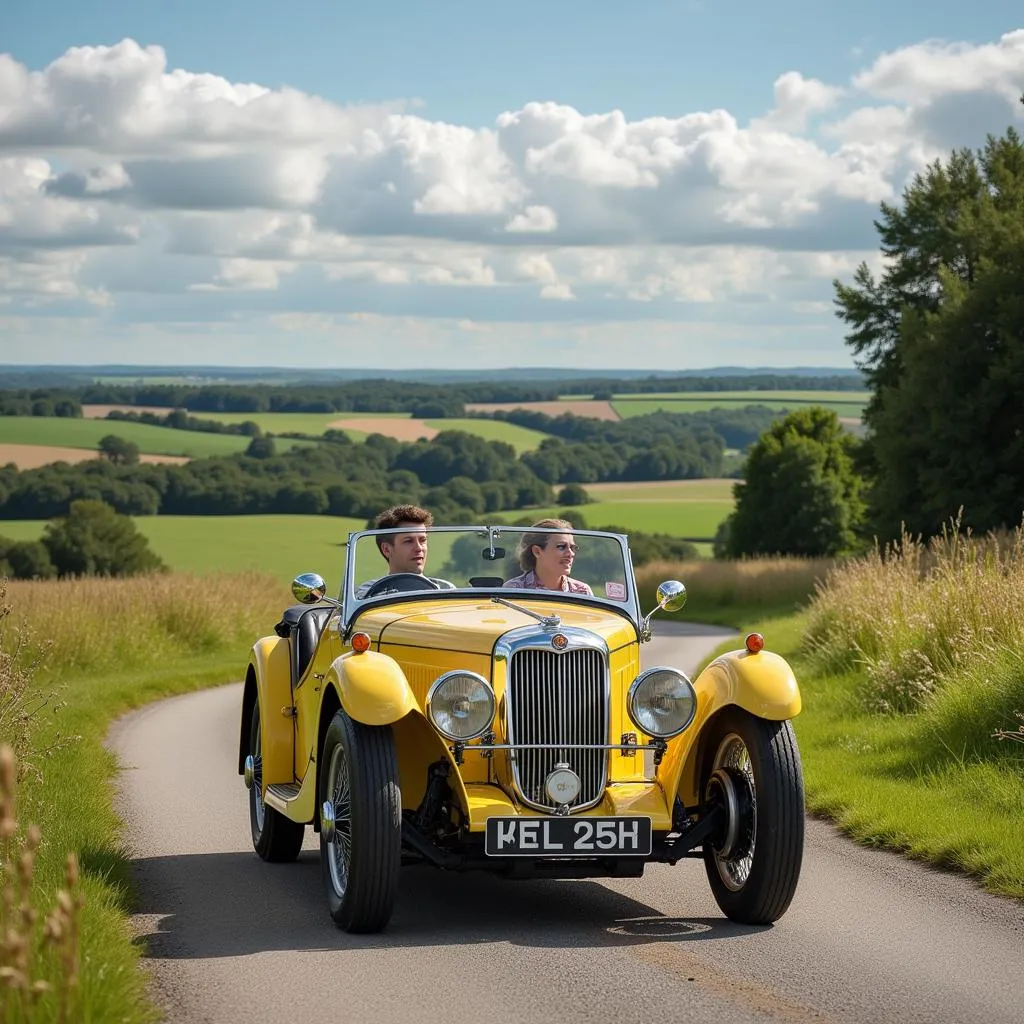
(521, 438)
(663, 491)
(81, 433)
(845, 403)
(694, 519)
(296, 422)
(287, 545)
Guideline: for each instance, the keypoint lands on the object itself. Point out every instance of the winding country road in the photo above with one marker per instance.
(869, 936)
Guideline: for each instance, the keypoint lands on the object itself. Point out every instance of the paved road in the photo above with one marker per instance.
(868, 938)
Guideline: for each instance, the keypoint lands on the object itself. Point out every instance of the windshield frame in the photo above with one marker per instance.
(351, 606)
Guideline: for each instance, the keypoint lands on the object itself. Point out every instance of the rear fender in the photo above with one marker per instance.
(268, 681)
(372, 687)
(762, 683)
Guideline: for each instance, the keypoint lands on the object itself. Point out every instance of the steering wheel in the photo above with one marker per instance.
(400, 583)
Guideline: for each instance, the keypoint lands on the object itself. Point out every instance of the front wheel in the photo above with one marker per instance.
(361, 823)
(753, 772)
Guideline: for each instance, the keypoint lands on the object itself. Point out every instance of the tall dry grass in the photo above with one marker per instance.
(85, 648)
(103, 624)
(774, 585)
(936, 626)
(39, 966)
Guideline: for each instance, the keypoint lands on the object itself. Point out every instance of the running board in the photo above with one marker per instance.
(292, 799)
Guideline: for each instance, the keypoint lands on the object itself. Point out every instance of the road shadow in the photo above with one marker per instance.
(234, 904)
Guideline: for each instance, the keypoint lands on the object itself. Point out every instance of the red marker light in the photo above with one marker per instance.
(754, 642)
(360, 642)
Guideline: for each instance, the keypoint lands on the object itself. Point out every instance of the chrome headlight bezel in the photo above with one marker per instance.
(485, 687)
(636, 695)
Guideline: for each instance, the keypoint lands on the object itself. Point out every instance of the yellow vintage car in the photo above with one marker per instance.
(454, 720)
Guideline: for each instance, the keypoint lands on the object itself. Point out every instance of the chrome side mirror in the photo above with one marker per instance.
(671, 596)
(309, 588)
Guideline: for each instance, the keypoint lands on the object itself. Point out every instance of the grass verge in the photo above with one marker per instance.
(909, 665)
(116, 645)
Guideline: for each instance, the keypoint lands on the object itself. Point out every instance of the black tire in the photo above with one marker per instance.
(360, 866)
(753, 872)
(275, 838)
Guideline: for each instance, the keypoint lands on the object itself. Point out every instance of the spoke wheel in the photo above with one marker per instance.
(753, 772)
(360, 847)
(274, 836)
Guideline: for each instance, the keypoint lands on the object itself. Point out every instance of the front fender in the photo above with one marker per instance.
(372, 687)
(762, 683)
(270, 665)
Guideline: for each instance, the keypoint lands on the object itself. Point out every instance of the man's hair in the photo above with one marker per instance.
(398, 514)
(527, 559)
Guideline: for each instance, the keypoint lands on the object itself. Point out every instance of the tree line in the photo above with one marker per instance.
(429, 401)
(455, 470)
(939, 336)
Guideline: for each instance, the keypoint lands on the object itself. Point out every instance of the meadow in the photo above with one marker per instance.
(284, 545)
(846, 404)
(65, 432)
(358, 426)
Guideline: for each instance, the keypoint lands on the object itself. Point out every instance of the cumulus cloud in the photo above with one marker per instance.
(115, 166)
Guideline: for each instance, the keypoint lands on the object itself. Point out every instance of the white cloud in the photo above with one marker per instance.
(122, 178)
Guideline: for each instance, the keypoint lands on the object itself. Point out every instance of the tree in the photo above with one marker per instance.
(94, 540)
(261, 448)
(940, 336)
(119, 451)
(25, 560)
(573, 494)
(801, 493)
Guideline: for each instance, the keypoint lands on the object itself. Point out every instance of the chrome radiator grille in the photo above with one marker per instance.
(558, 698)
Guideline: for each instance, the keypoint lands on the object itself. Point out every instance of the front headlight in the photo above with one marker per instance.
(662, 702)
(461, 706)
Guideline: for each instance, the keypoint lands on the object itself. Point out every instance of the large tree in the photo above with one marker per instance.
(940, 336)
(801, 492)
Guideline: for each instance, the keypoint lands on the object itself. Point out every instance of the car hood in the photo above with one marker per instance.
(475, 625)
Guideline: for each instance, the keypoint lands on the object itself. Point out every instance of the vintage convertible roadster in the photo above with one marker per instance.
(474, 726)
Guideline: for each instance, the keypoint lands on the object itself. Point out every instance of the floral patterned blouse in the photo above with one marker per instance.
(529, 581)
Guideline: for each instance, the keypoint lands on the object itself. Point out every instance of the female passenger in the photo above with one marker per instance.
(546, 560)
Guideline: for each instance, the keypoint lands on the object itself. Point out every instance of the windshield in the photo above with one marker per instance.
(518, 560)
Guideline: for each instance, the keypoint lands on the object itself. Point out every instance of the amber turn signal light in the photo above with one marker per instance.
(360, 642)
(754, 642)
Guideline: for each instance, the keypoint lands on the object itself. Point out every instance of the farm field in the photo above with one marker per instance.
(521, 438)
(663, 491)
(281, 545)
(287, 545)
(596, 409)
(844, 403)
(64, 432)
(359, 426)
(32, 456)
(694, 519)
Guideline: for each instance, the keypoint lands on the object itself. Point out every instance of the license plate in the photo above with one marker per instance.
(568, 837)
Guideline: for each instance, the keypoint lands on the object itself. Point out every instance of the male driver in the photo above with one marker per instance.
(404, 551)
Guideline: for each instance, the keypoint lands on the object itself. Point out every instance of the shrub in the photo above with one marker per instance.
(573, 494)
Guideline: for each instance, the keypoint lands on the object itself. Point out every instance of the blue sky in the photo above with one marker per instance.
(707, 221)
(469, 60)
